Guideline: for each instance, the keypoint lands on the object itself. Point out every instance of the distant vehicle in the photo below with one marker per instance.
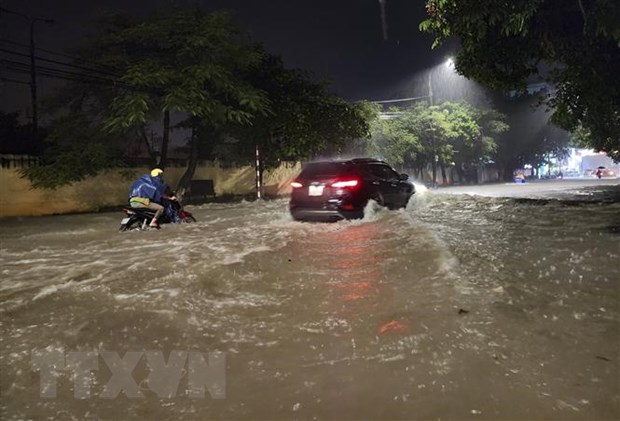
(334, 190)
(605, 172)
(571, 173)
(601, 172)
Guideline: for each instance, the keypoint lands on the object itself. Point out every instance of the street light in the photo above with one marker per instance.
(435, 158)
(449, 63)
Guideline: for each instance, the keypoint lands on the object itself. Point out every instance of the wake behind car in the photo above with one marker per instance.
(334, 190)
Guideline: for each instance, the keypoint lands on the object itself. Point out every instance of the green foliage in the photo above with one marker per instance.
(77, 149)
(302, 118)
(573, 45)
(579, 138)
(185, 61)
(454, 132)
(64, 166)
(202, 66)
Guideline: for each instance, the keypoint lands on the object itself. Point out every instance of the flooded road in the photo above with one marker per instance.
(503, 305)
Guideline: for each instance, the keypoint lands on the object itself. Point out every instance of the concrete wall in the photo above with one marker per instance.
(17, 198)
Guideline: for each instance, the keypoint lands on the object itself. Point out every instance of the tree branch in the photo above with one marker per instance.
(585, 16)
(148, 145)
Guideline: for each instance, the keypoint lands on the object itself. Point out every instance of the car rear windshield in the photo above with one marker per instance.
(325, 170)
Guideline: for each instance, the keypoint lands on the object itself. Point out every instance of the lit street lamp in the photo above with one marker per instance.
(435, 158)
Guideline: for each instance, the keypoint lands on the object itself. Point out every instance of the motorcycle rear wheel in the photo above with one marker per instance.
(135, 224)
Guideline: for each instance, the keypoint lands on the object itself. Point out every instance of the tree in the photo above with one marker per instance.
(472, 135)
(78, 146)
(140, 72)
(185, 62)
(449, 133)
(64, 163)
(573, 45)
(407, 140)
(205, 69)
(552, 143)
(302, 119)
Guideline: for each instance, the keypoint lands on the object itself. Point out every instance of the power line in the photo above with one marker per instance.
(19, 44)
(72, 57)
(56, 75)
(20, 67)
(107, 78)
(33, 75)
(400, 99)
(60, 63)
(2, 9)
(24, 66)
(6, 79)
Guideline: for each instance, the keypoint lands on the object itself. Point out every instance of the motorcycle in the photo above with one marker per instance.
(140, 218)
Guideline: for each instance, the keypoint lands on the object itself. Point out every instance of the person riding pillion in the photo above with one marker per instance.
(148, 192)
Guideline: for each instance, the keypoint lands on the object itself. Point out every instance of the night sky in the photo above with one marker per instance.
(338, 40)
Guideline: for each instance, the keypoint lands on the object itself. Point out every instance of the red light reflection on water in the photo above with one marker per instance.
(361, 288)
(357, 264)
(356, 290)
(393, 326)
(350, 262)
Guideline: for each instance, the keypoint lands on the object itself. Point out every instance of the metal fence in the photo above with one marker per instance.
(25, 161)
(18, 161)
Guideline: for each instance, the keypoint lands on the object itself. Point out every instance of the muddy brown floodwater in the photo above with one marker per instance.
(459, 307)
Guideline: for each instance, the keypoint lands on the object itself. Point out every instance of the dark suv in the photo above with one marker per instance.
(333, 190)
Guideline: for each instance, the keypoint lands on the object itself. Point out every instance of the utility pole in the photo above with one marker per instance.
(33, 66)
(33, 75)
(259, 174)
(434, 158)
(383, 20)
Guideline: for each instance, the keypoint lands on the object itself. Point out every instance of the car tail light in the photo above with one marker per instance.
(296, 184)
(345, 183)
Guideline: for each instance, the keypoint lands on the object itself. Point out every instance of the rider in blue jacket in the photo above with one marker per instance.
(148, 192)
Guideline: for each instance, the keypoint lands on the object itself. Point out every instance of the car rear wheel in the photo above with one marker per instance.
(404, 204)
(377, 197)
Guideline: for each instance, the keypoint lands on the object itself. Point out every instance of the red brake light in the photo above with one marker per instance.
(345, 183)
(296, 185)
